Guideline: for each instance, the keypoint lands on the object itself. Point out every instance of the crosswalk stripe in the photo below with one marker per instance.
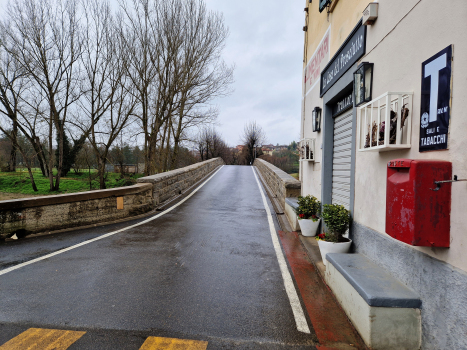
(158, 343)
(43, 339)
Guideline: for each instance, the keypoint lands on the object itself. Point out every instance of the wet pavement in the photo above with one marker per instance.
(206, 270)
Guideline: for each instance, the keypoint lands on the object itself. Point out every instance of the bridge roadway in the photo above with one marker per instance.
(204, 275)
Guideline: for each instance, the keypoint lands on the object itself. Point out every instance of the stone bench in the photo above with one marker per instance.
(384, 311)
(291, 203)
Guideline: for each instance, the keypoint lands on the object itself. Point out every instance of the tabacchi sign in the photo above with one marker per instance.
(317, 62)
(435, 101)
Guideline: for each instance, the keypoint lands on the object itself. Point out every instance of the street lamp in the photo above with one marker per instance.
(363, 83)
(316, 119)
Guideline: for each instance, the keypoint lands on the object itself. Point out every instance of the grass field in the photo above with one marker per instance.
(19, 183)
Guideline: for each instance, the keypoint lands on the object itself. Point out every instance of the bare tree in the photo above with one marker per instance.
(210, 144)
(141, 47)
(253, 138)
(11, 87)
(175, 65)
(204, 74)
(71, 69)
(106, 104)
(44, 39)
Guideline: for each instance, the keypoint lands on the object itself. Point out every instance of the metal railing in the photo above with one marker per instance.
(385, 123)
(306, 148)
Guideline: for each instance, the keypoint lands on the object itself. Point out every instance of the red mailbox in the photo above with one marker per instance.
(418, 212)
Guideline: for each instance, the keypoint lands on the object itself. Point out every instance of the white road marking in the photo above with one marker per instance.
(300, 320)
(16, 267)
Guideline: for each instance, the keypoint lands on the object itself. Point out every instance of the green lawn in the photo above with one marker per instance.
(295, 175)
(19, 182)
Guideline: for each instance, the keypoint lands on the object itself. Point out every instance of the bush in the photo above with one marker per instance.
(337, 220)
(309, 207)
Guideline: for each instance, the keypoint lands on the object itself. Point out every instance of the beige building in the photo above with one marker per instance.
(416, 52)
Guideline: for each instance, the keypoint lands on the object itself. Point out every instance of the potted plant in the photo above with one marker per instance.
(337, 220)
(308, 212)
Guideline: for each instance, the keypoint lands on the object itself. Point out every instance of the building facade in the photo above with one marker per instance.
(413, 96)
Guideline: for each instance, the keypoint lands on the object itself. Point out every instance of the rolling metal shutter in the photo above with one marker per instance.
(341, 160)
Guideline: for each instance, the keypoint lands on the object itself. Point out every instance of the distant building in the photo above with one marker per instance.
(270, 149)
(280, 148)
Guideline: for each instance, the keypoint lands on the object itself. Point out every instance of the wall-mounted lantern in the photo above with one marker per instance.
(323, 4)
(363, 83)
(316, 119)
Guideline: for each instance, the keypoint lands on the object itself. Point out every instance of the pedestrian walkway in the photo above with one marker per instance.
(331, 326)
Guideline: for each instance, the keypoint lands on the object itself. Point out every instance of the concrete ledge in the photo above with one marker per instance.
(373, 283)
(291, 204)
(384, 312)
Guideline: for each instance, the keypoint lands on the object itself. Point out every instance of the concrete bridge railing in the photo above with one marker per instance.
(22, 217)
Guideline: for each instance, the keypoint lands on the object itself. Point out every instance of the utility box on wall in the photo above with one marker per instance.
(418, 213)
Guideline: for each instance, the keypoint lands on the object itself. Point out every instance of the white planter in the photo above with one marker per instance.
(331, 247)
(308, 227)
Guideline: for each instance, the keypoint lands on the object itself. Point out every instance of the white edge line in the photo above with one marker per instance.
(297, 310)
(16, 267)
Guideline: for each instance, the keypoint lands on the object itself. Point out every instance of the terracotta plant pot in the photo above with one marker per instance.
(308, 227)
(331, 247)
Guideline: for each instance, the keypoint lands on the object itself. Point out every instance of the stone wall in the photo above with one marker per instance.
(281, 184)
(49, 213)
(44, 214)
(174, 182)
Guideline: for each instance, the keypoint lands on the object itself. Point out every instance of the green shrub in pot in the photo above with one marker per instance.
(337, 220)
(309, 207)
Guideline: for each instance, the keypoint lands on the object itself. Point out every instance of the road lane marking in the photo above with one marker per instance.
(158, 343)
(297, 310)
(16, 267)
(43, 339)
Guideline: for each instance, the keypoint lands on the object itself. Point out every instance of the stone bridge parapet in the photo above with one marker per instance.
(22, 217)
(172, 183)
(50, 213)
(279, 182)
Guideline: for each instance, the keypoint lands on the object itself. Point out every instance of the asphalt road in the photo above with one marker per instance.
(206, 271)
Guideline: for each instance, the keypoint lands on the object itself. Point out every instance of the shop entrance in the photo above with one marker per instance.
(342, 159)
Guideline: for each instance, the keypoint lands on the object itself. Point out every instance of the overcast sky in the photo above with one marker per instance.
(266, 46)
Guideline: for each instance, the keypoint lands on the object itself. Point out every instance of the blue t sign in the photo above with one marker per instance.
(435, 101)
